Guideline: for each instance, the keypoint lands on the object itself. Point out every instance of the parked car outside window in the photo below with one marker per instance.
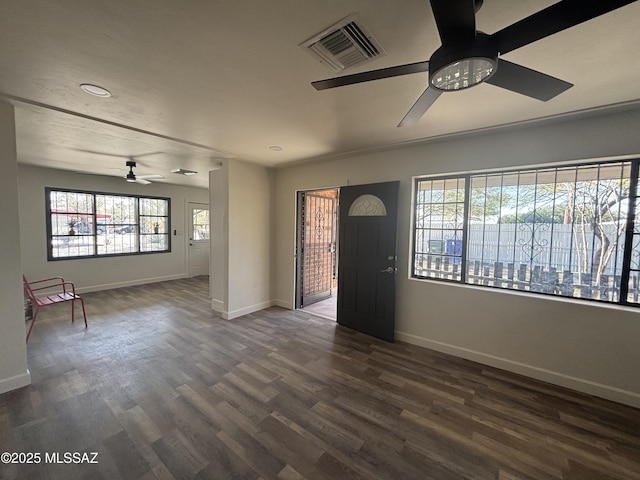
(125, 229)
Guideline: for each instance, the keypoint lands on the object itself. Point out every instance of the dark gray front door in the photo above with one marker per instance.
(367, 258)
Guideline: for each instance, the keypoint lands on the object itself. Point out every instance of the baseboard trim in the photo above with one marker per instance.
(130, 283)
(283, 303)
(580, 384)
(15, 382)
(247, 310)
(217, 306)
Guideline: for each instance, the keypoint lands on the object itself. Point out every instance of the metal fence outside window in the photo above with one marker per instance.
(564, 231)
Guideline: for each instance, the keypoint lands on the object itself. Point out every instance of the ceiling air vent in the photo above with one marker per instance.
(344, 45)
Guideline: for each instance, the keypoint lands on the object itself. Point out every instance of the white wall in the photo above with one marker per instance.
(219, 228)
(586, 346)
(249, 240)
(105, 272)
(13, 352)
(241, 198)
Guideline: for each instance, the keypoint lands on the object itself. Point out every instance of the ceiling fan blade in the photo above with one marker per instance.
(150, 177)
(115, 174)
(419, 108)
(525, 81)
(456, 20)
(118, 155)
(371, 75)
(142, 181)
(95, 152)
(557, 17)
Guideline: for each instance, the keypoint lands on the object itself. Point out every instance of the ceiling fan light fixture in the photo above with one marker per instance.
(456, 67)
(463, 74)
(131, 177)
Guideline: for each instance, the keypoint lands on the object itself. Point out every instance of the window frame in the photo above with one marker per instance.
(631, 229)
(94, 235)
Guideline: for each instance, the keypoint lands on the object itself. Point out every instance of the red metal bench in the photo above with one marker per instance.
(52, 291)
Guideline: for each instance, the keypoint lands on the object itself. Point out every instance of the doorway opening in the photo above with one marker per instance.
(199, 233)
(317, 252)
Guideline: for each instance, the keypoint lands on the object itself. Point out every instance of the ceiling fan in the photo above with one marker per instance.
(143, 179)
(131, 164)
(468, 57)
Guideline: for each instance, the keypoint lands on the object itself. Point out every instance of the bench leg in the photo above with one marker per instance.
(84, 313)
(73, 308)
(33, 320)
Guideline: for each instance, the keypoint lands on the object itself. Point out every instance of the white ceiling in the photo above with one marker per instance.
(197, 81)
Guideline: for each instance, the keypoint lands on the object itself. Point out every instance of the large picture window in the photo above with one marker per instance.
(567, 231)
(87, 224)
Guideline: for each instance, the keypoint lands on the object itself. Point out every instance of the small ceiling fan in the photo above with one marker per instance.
(131, 164)
(143, 179)
(468, 57)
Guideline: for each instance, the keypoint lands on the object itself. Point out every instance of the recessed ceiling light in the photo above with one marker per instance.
(95, 90)
(275, 148)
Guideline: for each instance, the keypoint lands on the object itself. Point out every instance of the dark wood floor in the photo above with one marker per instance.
(161, 387)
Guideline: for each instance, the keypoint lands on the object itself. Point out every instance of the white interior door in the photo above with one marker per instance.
(199, 245)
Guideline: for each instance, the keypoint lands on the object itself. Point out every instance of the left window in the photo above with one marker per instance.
(91, 224)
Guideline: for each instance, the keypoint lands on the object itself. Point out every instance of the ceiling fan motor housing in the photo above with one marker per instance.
(131, 177)
(460, 66)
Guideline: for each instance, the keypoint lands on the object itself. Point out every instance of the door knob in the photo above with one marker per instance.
(388, 270)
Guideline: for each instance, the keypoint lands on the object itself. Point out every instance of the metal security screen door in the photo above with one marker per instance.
(317, 246)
